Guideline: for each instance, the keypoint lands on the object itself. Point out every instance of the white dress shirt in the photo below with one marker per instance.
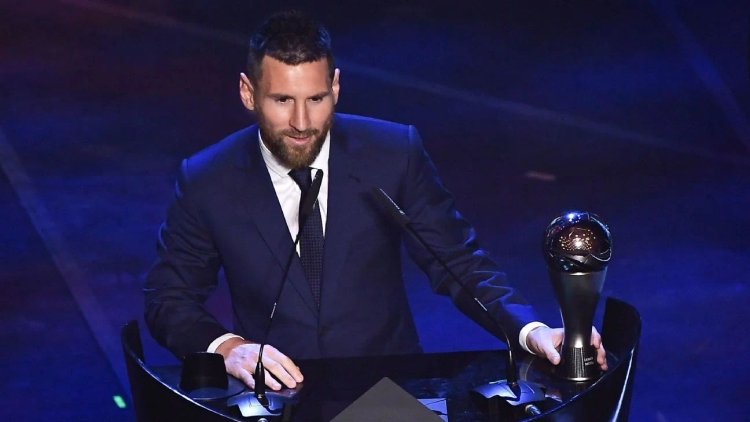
(288, 193)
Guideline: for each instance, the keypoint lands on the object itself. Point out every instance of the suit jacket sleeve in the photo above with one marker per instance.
(183, 277)
(431, 208)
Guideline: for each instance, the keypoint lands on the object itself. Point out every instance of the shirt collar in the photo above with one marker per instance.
(321, 161)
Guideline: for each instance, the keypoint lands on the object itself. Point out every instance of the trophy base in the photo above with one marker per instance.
(578, 364)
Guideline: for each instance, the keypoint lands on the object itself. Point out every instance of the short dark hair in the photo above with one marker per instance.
(292, 37)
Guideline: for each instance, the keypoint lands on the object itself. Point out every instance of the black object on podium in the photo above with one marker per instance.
(333, 385)
(153, 398)
(386, 401)
(204, 378)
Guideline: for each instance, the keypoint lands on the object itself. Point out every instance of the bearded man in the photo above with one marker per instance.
(237, 205)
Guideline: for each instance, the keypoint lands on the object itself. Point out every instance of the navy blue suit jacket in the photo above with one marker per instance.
(226, 214)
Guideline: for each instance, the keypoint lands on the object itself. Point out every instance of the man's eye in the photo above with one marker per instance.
(316, 99)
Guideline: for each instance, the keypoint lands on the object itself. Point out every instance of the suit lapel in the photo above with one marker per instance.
(343, 189)
(264, 209)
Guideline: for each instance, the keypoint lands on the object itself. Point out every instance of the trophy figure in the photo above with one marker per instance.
(577, 247)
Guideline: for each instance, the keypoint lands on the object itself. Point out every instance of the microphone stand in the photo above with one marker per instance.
(306, 207)
(512, 391)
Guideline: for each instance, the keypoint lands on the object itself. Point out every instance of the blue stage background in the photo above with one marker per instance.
(637, 112)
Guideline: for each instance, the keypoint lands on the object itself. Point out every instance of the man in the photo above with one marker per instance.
(237, 204)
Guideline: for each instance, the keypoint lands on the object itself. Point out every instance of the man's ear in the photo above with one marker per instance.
(335, 85)
(247, 92)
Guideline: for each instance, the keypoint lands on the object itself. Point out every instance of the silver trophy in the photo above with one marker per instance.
(577, 247)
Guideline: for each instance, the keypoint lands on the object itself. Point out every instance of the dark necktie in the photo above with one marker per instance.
(311, 240)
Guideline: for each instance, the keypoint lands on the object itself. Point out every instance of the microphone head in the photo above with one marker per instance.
(394, 210)
(577, 242)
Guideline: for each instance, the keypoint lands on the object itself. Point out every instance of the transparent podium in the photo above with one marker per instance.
(441, 381)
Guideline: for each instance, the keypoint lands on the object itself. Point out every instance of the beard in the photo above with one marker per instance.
(290, 155)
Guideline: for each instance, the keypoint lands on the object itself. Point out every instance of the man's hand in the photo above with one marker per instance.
(241, 359)
(545, 341)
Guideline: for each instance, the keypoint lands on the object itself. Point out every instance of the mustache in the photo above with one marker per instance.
(300, 134)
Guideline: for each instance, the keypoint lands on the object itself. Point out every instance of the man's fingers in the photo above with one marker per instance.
(543, 341)
(596, 338)
(552, 355)
(241, 365)
(245, 376)
(548, 348)
(601, 357)
(275, 368)
(242, 362)
(555, 342)
(246, 373)
(287, 365)
(269, 379)
(601, 354)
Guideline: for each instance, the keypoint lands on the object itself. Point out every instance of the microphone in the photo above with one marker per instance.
(306, 207)
(510, 390)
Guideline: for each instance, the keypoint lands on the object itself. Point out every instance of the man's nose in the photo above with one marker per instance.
(300, 118)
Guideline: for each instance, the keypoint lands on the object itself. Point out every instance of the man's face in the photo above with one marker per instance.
(294, 105)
